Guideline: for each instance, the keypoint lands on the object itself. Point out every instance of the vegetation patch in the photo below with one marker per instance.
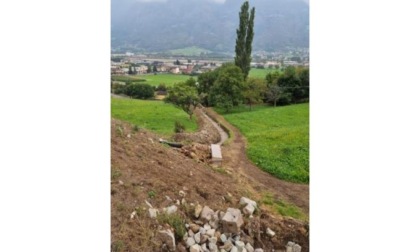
(153, 79)
(283, 208)
(153, 115)
(260, 73)
(190, 51)
(278, 138)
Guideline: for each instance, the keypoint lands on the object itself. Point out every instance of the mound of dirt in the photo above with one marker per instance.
(142, 169)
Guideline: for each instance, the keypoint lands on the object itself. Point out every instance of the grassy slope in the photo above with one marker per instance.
(153, 115)
(278, 139)
(189, 51)
(154, 80)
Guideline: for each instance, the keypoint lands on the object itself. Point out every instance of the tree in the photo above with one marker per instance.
(139, 91)
(245, 35)
(205, 83)
(154, 69)
(226, 91)
(183, 96)
(254, 91)
(274, 93)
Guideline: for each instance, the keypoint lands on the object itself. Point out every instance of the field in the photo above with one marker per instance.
(278, 138)
(154, 80)
(189, 51)
(261, 73)
(153, 115)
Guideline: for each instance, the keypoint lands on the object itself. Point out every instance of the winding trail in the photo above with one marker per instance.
(253, 178)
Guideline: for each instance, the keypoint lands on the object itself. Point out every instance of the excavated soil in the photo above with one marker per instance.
(144, 169)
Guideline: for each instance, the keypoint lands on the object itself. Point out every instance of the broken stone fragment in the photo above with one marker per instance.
(232, 221)
(249, 248)
(270, 232)
(248, 209)
(206, 214)
(170, 210)
(153, 213)
(245, 201)
(195, 248)
(167, 237)
(197, 210)
(190, 241)
(194, 227)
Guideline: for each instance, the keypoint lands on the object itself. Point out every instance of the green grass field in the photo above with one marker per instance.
(154, 80)
(278, 138)
(261, 73)
(156, 116)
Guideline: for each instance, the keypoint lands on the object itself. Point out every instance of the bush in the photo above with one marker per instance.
(179, 127)
(140, 91)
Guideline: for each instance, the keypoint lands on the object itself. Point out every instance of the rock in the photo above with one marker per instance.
(171, 210)
(194, 227)
(234, 249)
(128, 136)
(202, 230)
(204, 248)
(259, 250)
(132, 215)
(181, 248)
(240, 245)
(248, 209)
(223, 238)
(120, 182)
(167, 237)
(190, 241)
(206, 213)
(197, 210)
(207, 227)
(297, 248)
(212, 240)
(153, 213)
(245, 201)
(270, 232)
(178, 203)
(203, 238)
(195, 248)
(213, 247)
(197, 237)
(182, 193)
(227, 245)
(148, 204)
(232, 221)
(190, 233)
(249, 248)
(183, 202)
(210, 232)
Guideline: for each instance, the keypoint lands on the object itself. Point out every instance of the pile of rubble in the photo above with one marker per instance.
(196, 151)
(217, 231)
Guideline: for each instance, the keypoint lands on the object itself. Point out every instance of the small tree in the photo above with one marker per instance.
(274, 93)
(183, 96)
(254, 91)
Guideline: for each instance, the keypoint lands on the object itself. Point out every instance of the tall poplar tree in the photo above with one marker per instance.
(245, 35)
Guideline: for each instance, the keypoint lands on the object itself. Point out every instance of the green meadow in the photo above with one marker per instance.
(278, 138)
(261, 73)
(156, 116)
(154, 80)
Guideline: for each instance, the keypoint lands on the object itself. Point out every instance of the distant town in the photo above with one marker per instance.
(132, 64)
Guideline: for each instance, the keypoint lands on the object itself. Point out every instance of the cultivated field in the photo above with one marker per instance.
(154, 80)
(278, 138)
(157, 116)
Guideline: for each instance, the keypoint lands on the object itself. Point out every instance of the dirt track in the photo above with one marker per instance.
(258, 181)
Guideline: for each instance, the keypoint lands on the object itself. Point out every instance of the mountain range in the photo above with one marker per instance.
(161, 25)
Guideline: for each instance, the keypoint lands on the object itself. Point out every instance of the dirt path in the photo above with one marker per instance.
(258, 181)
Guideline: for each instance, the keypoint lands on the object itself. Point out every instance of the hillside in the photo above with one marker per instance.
(167, 25)
(144, 169)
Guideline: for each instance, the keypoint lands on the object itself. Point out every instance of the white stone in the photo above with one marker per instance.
(197, 237)
(182, 193)
(206, 213)
(234, 249)
(190, 241)
(172, 209)
(207, 227)
(232, 221)
(245, 201)
(259, 250)
(132, 215)
(270, 232)
(197, 210)
(211, 232)
(249, 247)
(248, 209)
(195, 248)
(153, 213)
(223, 238)
(240, 245)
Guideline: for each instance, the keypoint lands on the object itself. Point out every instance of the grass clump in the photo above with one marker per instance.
(283, 208)
(179, 127)
(175, 221)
